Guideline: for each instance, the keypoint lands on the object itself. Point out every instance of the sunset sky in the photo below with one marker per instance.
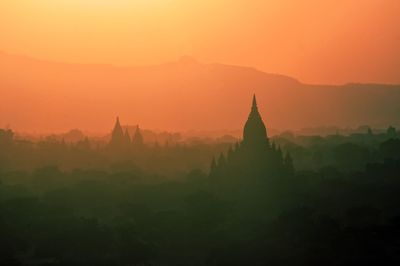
(330, 41)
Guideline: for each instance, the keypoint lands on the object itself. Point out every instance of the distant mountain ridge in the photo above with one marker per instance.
(185, 94)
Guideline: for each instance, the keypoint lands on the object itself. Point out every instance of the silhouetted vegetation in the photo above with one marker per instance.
(287, 200)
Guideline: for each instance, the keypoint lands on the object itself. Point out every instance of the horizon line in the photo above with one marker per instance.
(195, 59)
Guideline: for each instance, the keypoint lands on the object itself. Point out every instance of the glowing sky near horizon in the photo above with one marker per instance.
(332, 41)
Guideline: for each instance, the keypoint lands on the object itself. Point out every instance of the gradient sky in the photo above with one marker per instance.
(330, 41)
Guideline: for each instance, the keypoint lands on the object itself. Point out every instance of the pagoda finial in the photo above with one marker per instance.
(137, 139)
(254, 105)
(117, 134)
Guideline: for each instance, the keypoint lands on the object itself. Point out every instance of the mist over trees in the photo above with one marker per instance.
(285, 200)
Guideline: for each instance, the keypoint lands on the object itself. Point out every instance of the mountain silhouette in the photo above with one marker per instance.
(185, 94)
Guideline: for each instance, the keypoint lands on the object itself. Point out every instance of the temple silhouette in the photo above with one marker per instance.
(121, 140)
(255, 157)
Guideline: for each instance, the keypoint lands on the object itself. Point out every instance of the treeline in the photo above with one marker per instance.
(114, 212)
(99, 218)
(170, 159)
(174, 159)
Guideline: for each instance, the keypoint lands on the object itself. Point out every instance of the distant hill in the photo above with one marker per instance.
(180, 95)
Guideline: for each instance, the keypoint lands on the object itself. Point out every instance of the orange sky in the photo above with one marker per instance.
(330, 41)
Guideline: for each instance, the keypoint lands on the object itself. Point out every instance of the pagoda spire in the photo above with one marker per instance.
(137, 139)
(254, 104)
(255, 133)
(117, 128)
(117, 135)
(127, 137)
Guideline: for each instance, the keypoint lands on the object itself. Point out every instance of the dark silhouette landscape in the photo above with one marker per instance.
(259, 200)
(199, 133)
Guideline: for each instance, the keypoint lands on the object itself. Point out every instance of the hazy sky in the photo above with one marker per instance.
(329, 41)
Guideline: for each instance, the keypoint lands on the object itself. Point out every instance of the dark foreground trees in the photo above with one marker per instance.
(116, 219)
